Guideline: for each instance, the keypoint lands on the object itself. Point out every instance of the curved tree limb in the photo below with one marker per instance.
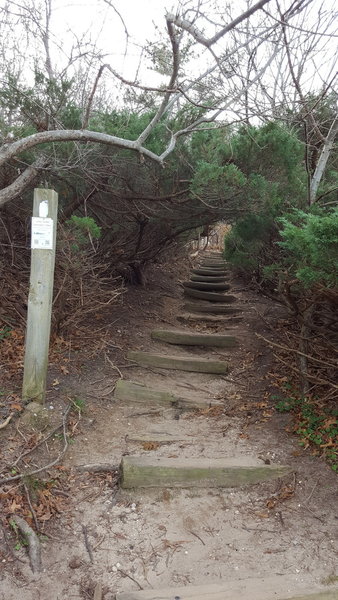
(25, 179)
(199, 37)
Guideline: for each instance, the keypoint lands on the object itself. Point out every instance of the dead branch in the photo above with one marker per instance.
(31, 507)
(314, 378)
(130, 577)
(51, 464)
(6, 421)
(199, 37)
(87, 543)
(288, 349)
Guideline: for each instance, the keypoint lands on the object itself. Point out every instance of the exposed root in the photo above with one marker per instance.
(34, 548)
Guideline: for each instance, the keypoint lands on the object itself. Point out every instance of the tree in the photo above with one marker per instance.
(227, 77)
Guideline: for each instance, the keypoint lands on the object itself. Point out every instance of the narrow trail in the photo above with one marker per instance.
(201, 509)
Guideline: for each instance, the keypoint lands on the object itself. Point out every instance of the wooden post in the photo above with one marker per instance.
(44, 224)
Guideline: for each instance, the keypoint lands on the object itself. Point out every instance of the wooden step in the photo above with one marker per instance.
(195, 365)
(275, 587)
(208, 279)
(208, 307)
(194, 339)
(213, 267)
(213, 264)
(131, 391)
(152, 471)
(210, 272)
(205, 286)
(210, 296)
(210, 319)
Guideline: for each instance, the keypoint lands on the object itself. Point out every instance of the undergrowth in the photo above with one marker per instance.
(315, 423)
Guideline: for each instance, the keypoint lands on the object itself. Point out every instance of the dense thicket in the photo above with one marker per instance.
(289, 249)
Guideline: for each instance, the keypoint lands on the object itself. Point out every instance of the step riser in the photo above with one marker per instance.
(130, 391)
(213, 264)
(179, 364)
(152, 472)
(195, 339)
(205, 286)
(210, 319)
(211, 272)
(206, 279)
(269, 588)
(210, 296)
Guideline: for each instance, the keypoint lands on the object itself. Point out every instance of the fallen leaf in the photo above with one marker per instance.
(16, 406)
(150, 445)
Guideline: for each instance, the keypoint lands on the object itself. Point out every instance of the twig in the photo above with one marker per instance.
(310, 496)
(87, 543)
(36, 445)
(196, 535)
(31, 508)
(130, 577)
(312, 377)
(34, 549)
(288, 349)
(6, 421)
(112, 365)
(54, 462)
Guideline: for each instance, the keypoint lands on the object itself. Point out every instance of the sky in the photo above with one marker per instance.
(99, 25)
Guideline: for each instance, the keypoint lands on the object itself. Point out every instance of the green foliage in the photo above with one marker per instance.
(79, 404)
(312, 244)
(5, 332)
(81, 230)
(220, 180)
(246, 242)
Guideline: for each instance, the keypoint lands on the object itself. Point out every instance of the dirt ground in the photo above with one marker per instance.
(92, 532)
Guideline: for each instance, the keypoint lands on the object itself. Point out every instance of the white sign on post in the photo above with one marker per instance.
(42, 233)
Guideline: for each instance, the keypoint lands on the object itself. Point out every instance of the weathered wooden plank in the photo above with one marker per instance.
(131, 391)
(269, 588)
(146, 472)
(210, 296)
(137, 392)
(210, 272)
(206, 285)
(194, 339)
(195, 365)
(206, 278)
(213, 267)
(208, 307)
(213, 263)
(212, 319)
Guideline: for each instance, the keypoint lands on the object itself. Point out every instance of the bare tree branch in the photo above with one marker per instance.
(199, 37)
(23, 181)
